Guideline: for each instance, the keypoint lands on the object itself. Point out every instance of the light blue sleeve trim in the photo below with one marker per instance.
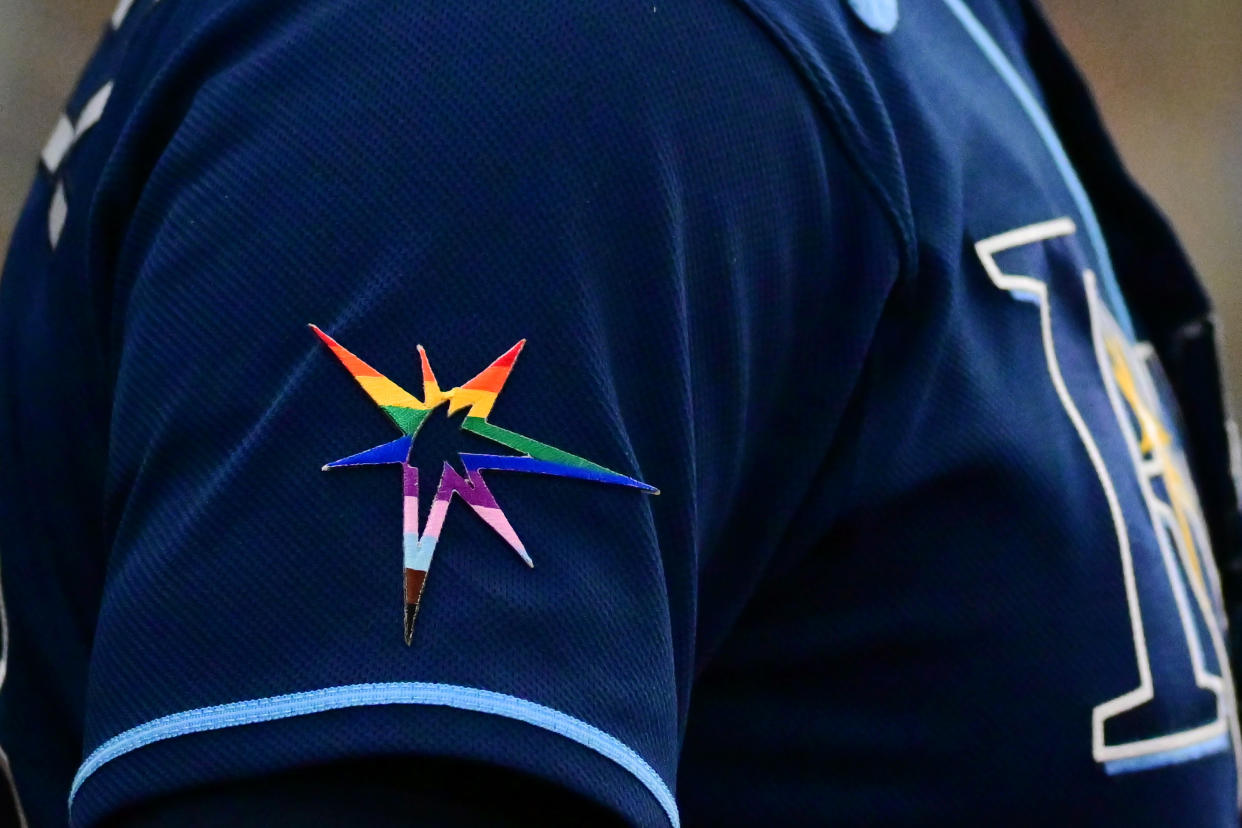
(268, 709)
(1049, 135)
(1189, 753)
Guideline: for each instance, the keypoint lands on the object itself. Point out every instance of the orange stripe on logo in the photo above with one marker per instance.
(352, 364)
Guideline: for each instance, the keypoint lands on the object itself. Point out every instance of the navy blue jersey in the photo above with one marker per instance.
(756, 412)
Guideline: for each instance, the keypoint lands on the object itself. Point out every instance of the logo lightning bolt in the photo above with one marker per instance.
(409, 413)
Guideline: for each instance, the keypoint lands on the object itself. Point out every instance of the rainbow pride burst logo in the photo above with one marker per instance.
(409, 413)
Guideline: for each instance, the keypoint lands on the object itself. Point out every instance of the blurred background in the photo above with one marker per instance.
(1168, 77)
(43, 46)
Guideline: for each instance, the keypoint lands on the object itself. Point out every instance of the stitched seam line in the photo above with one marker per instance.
(846, 130)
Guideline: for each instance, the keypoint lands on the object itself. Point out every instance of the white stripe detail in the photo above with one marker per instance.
(58, 144)
(118, 14)
(56, 214)
(92, 111)
(6, 771)
(6, 768)
(62, 140)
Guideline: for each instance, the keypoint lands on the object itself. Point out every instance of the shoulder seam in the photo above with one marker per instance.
(838, 124)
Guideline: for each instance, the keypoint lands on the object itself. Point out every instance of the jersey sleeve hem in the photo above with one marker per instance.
(274, 708)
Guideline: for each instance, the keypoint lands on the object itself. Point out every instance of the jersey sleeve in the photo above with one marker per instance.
(469, 365)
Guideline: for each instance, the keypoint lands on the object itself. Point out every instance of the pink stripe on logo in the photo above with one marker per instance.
(409, 524)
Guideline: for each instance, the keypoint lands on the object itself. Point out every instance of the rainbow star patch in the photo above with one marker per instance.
(409, 413)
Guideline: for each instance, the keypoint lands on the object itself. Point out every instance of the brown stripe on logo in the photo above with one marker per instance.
(414, 581)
